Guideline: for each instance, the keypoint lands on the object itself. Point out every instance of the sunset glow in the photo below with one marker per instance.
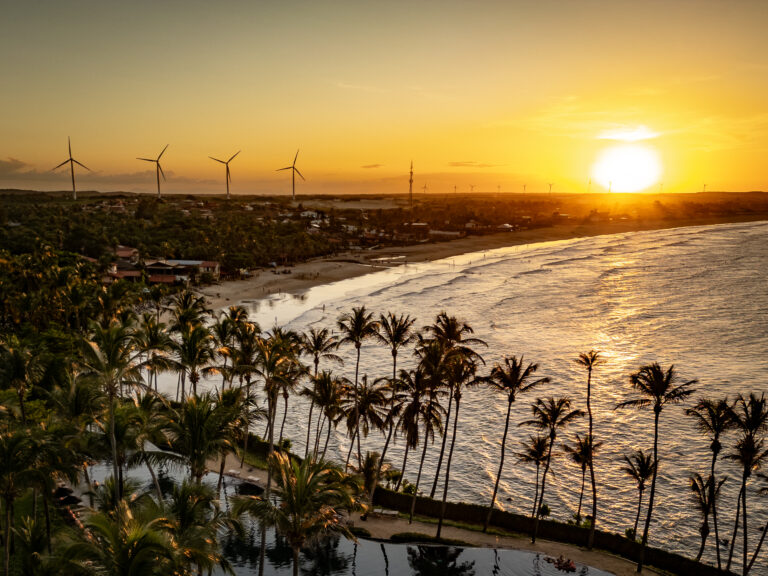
(627, 168)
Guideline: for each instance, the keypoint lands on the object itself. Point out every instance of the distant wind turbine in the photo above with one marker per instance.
(424, 188)
(410, 191)
(226, 164)
(72, 163)
(158, 169)
(294, 171)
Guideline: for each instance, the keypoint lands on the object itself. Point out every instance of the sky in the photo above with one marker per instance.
(485, 96)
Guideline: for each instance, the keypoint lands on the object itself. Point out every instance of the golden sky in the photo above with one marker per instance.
(495, 95)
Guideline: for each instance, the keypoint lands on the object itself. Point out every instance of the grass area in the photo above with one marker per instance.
(465, 526)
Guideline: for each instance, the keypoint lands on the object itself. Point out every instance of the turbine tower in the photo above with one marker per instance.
(226, 164)
(158, 169)
(72, 163)
(294, 171)
(410, 193)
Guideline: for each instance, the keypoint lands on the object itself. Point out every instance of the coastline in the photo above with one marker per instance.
(331, 269)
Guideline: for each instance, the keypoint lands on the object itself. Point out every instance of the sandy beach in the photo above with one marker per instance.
(320, 271)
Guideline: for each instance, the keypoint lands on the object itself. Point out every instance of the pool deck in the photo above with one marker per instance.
(383, 525)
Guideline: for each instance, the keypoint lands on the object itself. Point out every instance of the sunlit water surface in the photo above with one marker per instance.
(694, 297)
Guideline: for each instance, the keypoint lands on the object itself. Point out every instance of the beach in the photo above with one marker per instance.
(351, 264)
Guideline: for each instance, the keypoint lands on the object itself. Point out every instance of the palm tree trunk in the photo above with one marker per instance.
(418, 479)
(47, 514)
(501, 467)
(735, 528)
(757, 550)
(713, 504)
(581, 496)
(402, 468)
(448, 468)
(7, 536)
(543, 485)
(744, 520)
(357, 411)
(591, 538)
(704, 531)
(351, 447)
(285, 414)
(154, 481)
(644, 541)
(318, 432)
(88, 482)
(113, 443)
(327, 438)
(536, 495)
(311, 408)
(183, 385)
(442, 448)
(381, 463)
(296, 550)
(637, 518)
(246, 420)
(221, 474)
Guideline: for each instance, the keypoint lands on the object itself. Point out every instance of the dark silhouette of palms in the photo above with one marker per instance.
(639, 467)
(535, 452)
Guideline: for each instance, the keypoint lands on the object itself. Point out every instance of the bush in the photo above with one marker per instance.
(360, 532)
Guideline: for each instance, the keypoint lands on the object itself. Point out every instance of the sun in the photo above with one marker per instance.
(627, 168)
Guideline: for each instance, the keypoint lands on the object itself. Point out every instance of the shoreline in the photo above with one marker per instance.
(329, 269)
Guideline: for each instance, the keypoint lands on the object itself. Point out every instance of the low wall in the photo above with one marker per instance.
(548, 529)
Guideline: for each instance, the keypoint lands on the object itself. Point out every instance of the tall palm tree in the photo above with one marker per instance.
(328, 393)
(511, 378)
(370, 408)
(534, 451)
(639, 466)
(395, 332)
(154, 343)
(310, 495)
(658, 388)
(356, 327)
(195, 353)
(319, 343)
(551, 415)
(590, 360)
(750, 417)
(109, 358)
(187, 309)
(20, 367)
(763, 491)
(713, 418)
(460, 374)
(700, 495)
(245, 358)
(411, 384)
(581, 453)
(455, 336)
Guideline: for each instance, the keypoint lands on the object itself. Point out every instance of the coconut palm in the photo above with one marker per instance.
(551, 415)
(154, 343)
(187, 309)
(763, 491)
(245, 359)
(20, 368)
(310, 496)
(460, 374)
(110, 360)
(511, 378)
(639, 466)
(455, 337)
(319, 344)
(590, 360)
(713, 418)
(368, 410)
(581, 453)
(658, 388)
(701, 492)
(328, 393)
(195, 352)
(534, 451)
(356, 327)
(750, 417)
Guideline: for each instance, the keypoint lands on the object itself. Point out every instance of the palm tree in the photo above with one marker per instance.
(658, 389)
(459, 374)
(457, 342)
(187, 309)
(310, 495)
(319, 344)
(590, 360)
(20, 367)
(639, 466)
(328, 392)
(701, 492)
(153, 341)
(195, 353)
(511, 378)
(357, 326)
(368, 409)
(245, 358)
(109, 360)
(713, 418)
(581, 452)
(552, 415)
(534, 451)
(764, 492)
(750, 417)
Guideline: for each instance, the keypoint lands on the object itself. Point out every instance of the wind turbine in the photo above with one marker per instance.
(159, 169)
(410, 192)
(72, 163)
(226, 164)
(294, 171)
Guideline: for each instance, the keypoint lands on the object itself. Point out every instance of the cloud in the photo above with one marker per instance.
(372, 166)
(628, 133)
(12, 166)
(471, 164)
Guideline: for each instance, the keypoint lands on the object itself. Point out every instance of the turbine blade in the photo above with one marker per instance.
(233, 156)
(286, 168)
(81, 165)
(147, 159)
(217, 160)
(229, 176)
(299, 173)
(60, 165)
(69, 143)
(163, 152)
(161, 170)
(294, 158)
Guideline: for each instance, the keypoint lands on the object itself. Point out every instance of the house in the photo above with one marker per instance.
(127, 253)
(204, 266)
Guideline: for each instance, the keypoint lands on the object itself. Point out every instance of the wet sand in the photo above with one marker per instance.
(330, 269)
